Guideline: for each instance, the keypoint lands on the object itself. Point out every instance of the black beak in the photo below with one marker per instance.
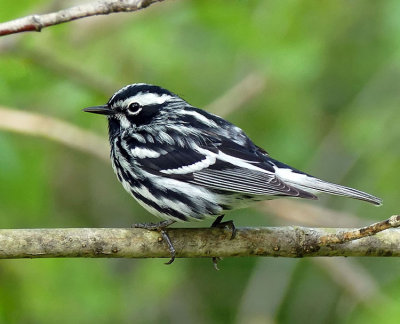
(102, 110)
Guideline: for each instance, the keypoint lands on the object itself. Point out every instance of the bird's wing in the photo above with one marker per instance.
(220, 164)
(245, 170)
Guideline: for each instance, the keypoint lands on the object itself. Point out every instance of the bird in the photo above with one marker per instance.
(182, 163)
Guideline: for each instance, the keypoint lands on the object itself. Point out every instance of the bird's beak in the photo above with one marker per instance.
(102, 110)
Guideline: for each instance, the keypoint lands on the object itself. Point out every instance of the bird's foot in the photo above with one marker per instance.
(160, 227)
(227, 224)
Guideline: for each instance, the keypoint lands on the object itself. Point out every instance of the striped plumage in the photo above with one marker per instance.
(182, 163)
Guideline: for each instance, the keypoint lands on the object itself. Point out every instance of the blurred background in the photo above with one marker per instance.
(314, 83)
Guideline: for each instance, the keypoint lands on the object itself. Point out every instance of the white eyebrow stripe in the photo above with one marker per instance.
(147, 99)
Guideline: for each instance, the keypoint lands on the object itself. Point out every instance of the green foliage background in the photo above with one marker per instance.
(330, 107)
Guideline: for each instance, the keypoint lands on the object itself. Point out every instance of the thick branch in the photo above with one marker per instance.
(37, 22)
(286, 241)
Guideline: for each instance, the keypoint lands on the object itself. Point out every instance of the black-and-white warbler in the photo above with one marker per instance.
(182, 163)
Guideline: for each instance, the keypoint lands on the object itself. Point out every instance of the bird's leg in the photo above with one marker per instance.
(219, 224)
(160, 227)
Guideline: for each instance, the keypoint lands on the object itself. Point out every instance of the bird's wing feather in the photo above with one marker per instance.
(223, 165)
(232, 172)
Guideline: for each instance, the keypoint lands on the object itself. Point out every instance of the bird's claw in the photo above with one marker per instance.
(215, 261)
(171, 248)
(227, 224)
(160, 227)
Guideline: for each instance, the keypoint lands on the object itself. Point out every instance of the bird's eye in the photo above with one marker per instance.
(134, 108)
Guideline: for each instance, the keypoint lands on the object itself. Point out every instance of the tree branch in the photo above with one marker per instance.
(105, 7)
(288, 241)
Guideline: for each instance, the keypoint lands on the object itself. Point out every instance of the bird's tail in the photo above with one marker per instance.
(315, 185)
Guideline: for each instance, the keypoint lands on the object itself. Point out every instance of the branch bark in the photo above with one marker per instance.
(288, 241)
(105, 7)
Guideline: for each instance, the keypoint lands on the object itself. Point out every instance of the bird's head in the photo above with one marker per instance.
(136, 104)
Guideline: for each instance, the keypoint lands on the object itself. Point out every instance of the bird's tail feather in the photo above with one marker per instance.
(309, 183)
(339, 190)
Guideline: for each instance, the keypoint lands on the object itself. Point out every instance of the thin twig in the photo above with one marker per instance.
(105, 7)
(10, 43)
(351, 235)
